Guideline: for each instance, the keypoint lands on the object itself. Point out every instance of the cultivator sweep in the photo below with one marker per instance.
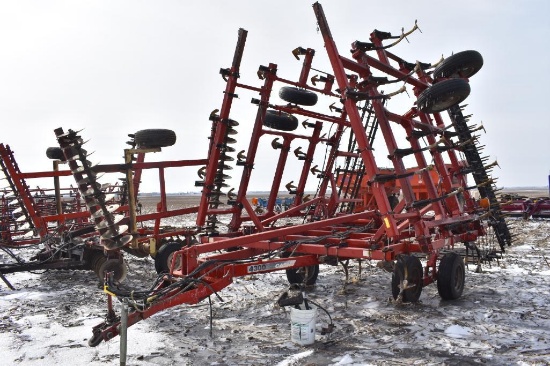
(360, 211)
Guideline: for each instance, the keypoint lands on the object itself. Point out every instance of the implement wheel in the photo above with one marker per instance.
(302, 275)
(163, 259)
(451, 276)
(443, 95)
(91, 256)
(93, 259)
(55, 153)
(298, 96)
(394, 201)
(280, 121)
(154, 138)
(407, 278)
(460, 65)
(95, 340)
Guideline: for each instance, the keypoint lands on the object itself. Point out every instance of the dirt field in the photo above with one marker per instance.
(503, 317)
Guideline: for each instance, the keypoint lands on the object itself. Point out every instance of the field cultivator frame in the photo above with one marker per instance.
(400, 230)
(515, 205)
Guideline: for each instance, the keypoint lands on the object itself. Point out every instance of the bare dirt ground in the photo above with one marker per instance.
(503, 318)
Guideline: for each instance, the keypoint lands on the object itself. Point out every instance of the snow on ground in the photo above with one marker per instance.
(503, 318)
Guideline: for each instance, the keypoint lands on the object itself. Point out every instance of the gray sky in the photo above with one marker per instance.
(116, 67)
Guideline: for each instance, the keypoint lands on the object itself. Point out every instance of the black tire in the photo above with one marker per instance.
(298, 96)
(95, 340)
(55, 153)
(460, 65)
(164, 256)
(91, 256)
(407, 267)
(154, 138)
(280, 121)
(94, 260)
(443, 95)
(302, 275)
(394, 201)
(451, 276)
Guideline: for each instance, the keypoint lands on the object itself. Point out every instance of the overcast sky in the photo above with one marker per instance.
(116, 67)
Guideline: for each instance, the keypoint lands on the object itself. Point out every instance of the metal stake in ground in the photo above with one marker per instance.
(123, 331)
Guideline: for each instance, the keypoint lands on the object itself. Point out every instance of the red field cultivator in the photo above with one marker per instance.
(417, 235)
(525, 207)
(49, 228)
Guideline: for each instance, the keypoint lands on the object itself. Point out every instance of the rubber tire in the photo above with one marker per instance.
(460, 65)
(95, 340)
(394, 201)
(163, 258)
(55, 153)
(302, 275)
(295, 95)
(154, 138)
(414, 275)
(443, 95)
(280, 121)
(93, 261)
(451, 276)
(90, 257)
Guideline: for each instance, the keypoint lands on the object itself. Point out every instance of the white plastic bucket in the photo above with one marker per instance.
(302, 325)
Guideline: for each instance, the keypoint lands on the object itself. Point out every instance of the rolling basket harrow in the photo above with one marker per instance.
(362, 210)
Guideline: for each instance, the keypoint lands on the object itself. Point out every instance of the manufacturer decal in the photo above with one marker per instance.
(270, 266)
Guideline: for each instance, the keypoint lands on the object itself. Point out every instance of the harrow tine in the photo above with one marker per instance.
(492, 165)
(438, 62)
(478, 128)
(472, 140)
(231, 195)
(241, 156)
